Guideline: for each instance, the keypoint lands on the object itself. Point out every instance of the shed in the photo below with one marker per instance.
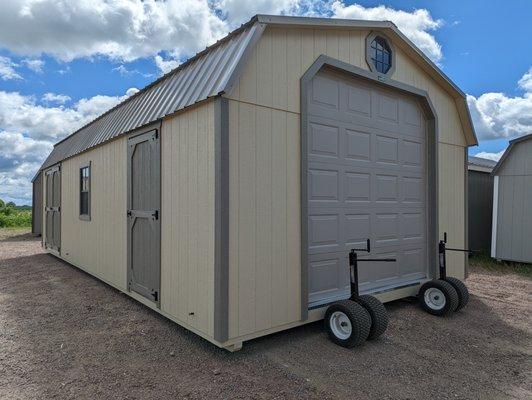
(480, 202)
(512, 203)
(227, 194)
(36, 204)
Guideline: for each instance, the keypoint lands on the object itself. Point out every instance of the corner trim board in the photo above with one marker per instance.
(221, 224)
(494, 216)
(432, 177)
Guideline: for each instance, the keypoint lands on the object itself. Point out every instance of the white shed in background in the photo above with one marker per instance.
(512, 203)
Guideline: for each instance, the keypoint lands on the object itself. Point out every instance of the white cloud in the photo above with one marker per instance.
(236, 12)
(121, 29)
(129, 29)
(490, 156)
(55, 98)
(416, 25)
(36, 65)
(496, 115)
(131, 91)
(28, 131)
(20, 157)
(166, 66)
(7, 69)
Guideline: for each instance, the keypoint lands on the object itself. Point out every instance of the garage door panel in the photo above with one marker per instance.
(357, 145)
(324, 233)
(324, 140)
(329, 279)
(412, 153)
(386, 228)
(386, 149)
(387, 108)
(358, 100)
(366, 179)
(326, 92)
(357, 187)
(386, 188)
(413, 189)
(323, 185)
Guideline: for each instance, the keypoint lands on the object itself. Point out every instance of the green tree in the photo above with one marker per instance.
(11, 204)
(2, 204)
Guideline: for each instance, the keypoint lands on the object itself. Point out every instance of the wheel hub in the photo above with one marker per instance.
(435, 298)
(340, 325)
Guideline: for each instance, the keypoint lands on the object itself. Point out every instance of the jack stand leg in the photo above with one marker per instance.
(442, 260)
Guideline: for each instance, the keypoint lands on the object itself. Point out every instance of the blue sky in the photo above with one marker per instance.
(62, 64)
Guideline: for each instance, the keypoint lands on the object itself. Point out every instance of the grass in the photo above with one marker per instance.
(485, 262)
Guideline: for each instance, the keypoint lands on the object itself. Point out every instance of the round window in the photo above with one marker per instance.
(381, 55)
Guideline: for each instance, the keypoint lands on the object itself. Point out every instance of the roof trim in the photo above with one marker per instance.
(508, 150)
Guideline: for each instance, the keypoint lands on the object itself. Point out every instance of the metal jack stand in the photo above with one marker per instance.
(350, 322)
(445, 295)
(353, 263)
(442, 248)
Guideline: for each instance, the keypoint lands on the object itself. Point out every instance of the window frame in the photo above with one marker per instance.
(85, 217)
(369, 39)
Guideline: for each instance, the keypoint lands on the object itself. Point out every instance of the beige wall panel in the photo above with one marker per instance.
(265, 107)
(187, 217)
(264, 225)
(99, 245)
(452, 175)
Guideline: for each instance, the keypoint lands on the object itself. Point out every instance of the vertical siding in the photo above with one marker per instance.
(99, 245)
(264, 225)
(514, 225)
(451, 213)
(187, 217)
(264, 169)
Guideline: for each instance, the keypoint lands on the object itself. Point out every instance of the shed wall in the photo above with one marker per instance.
(98, 246)
(264, 169)
(480, 205)
(187, 217)
(37, 206)
(514, 215)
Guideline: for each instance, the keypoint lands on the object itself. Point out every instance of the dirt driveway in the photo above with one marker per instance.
(64, 334)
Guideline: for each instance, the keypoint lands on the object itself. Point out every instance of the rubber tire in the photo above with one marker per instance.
(378, 314)
(461, 290)
(451, 297)
(360, 322)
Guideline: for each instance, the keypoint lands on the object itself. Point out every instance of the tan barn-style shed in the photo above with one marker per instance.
(227, 194)
(512, 203)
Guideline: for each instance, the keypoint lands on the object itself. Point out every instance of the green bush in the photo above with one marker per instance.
(12, 216)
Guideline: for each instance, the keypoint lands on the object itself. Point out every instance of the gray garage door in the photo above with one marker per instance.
(366, 179)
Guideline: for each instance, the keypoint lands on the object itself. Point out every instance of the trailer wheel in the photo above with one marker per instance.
(347, 323)
(461, 290)
(438, 297)
(378, 314)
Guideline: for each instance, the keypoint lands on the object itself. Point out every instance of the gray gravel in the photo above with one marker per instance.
(64, 334)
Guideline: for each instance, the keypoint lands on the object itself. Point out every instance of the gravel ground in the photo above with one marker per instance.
(64, 334)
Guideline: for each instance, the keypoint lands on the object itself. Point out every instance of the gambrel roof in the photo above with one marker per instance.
(212, 72)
